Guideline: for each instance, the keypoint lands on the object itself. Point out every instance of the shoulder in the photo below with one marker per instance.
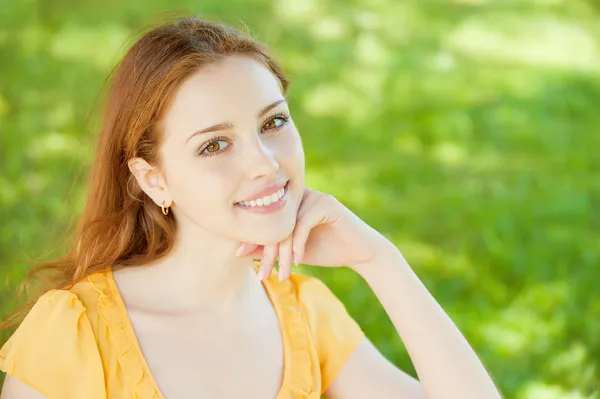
(335, 332)
(59, 311)
(57, 319)
(309, 287)
(52, 347)
(328, 318)
(314, 295)
(53, 314)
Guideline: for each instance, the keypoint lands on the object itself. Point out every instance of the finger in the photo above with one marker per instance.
(300, 237)
(257, 253)
(301, 233)
(285, 258)
(245, 249)
(268, 261)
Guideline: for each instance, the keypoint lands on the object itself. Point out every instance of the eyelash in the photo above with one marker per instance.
(283, 116)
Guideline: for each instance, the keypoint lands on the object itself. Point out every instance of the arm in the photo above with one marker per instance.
(329, 234)
(447, 366)
(15, 389)
(368, 374)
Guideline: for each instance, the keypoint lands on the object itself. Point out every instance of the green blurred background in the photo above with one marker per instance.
(465, 131)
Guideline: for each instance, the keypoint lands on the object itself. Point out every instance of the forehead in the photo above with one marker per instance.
(236, 86)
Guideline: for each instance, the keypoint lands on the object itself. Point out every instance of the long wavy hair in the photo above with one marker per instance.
(120, 224)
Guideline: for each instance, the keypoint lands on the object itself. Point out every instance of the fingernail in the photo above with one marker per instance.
(280, 274)
(239, 251)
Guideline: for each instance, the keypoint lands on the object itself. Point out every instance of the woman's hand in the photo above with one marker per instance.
(326, 234)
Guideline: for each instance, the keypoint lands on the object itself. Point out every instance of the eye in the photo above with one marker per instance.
(214, 147)
(276, 122)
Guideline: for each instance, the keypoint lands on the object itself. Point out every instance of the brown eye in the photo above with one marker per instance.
(213, 147)
(275, 123)
(271, 124)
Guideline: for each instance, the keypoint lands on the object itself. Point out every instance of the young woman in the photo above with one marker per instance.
(169, 291)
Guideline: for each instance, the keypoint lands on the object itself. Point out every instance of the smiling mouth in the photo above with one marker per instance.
(266, 200)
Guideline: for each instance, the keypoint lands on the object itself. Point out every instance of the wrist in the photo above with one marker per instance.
(385, 257)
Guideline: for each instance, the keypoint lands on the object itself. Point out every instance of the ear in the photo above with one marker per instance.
(151, 181)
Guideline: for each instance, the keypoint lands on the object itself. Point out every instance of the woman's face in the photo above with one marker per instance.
(229, 137)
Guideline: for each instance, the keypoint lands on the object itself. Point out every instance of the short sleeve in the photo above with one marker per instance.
(54, 350)
(335, 332)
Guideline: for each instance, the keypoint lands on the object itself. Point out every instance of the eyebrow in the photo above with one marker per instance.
(224, 126)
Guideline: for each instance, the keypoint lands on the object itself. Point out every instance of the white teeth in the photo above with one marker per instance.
(267, 200)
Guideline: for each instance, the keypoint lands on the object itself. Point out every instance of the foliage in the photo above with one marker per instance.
(466, 131)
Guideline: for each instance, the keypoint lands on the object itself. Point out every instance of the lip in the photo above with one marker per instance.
(269, 189)
(267, 209)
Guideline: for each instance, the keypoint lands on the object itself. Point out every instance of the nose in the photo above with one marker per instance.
(260, 160)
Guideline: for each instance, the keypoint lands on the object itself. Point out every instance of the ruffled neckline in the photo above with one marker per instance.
(297, 375)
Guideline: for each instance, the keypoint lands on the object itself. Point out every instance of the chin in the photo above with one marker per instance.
(268, 228)
(272, 234)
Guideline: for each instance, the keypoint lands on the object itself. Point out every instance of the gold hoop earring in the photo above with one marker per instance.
(165, 209)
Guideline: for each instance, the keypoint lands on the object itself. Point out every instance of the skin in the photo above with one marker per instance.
(204, 298)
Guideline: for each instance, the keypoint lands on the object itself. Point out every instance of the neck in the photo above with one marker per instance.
(200, 273)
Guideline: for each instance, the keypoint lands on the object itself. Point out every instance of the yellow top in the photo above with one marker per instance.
(79, 343)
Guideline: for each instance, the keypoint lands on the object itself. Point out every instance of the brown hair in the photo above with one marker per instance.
(120, 224)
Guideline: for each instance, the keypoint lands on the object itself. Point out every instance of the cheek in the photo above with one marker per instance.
(196, 186)
(292, 160)
(291, 150)
(297, 157)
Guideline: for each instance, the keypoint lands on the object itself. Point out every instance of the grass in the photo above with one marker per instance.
(466, 131)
